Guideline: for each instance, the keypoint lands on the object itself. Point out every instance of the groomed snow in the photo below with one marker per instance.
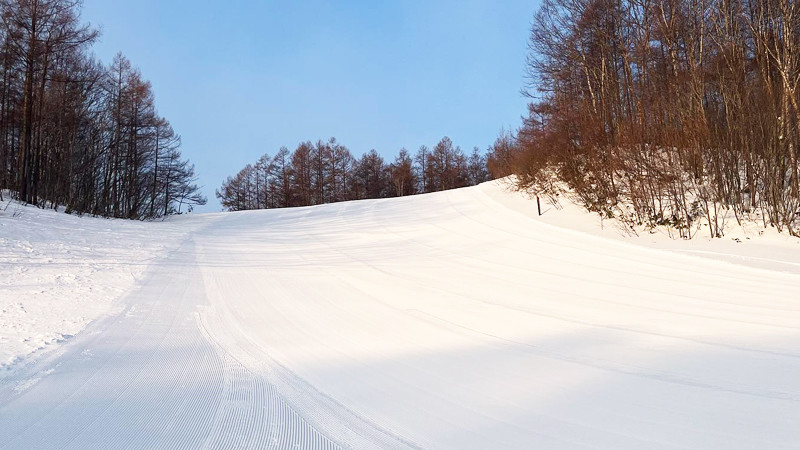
(455, 320)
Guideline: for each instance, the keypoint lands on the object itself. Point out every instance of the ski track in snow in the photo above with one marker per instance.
(451, 320)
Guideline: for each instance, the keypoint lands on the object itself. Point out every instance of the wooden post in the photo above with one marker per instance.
(538, 205)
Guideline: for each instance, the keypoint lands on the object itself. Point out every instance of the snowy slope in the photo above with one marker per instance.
(749, 244)
(58, 272)
(455, 320)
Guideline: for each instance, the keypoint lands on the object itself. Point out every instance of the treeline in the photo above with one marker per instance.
(326, 172)
(74, 132)
(677, 109)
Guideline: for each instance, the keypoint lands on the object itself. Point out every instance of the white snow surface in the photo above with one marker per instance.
(58, 272)
(459, 319)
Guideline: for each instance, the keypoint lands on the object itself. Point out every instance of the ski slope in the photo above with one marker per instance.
(450, 320)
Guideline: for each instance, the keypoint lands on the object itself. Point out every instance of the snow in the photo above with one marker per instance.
(59, 272)
(749, 244)
(460, 319)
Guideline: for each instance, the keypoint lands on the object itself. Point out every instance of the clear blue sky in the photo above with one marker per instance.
(240, 78)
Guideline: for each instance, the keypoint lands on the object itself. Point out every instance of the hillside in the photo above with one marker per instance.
(459, 319)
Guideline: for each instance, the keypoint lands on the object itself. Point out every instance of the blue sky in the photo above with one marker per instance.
(241, 78)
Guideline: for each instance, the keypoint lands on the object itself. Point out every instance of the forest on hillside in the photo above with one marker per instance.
(78, 133)
(664, 112)
(326, 172)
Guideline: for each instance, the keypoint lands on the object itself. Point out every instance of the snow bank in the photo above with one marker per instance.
(749, 244)
(58, 272)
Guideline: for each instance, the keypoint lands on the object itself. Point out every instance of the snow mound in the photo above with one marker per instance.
(60, 272)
